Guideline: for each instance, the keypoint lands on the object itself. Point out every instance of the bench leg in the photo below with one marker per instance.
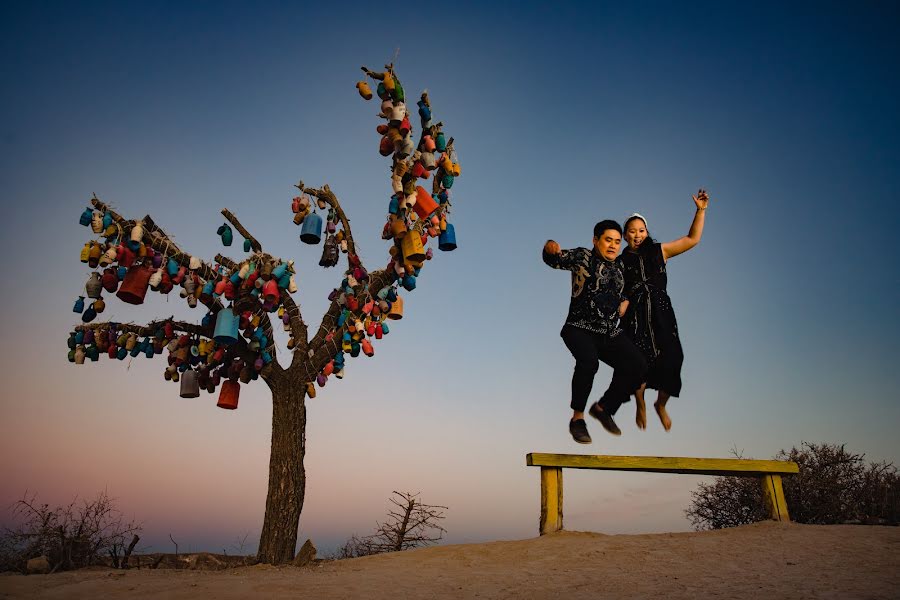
(773, 496)
(551, 500)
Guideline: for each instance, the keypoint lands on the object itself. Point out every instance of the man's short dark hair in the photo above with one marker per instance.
(602, 226)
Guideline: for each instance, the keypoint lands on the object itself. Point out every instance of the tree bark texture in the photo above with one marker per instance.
(287, 476)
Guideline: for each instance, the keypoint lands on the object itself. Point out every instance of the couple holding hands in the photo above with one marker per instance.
(621, 314)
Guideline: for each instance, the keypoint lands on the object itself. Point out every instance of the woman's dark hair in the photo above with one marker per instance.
(648, 242)
(602, 226)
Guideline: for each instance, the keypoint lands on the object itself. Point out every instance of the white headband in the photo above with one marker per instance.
(639, 216)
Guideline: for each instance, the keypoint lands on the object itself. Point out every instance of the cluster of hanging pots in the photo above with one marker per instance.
(362, 319)
(128, 267)
(205, 360)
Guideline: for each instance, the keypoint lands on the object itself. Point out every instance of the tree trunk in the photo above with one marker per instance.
(287, 477)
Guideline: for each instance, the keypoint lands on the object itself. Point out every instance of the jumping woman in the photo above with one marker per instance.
(649, 319)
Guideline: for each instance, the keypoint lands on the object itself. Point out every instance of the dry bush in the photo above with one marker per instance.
(411, 524)
(833, 486)
(72, 536)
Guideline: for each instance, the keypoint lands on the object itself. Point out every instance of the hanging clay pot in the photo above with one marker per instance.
(447, 241)
(134, 286)
(190, 385)
(428, 145)
(79, 305)
(86, 217)
(79, 355)
(99, 305)
(412, 248)
(109, 280)
(228, 397)
(396, 311)
(440, 141)
(89, 315)
(94, 255)
(225, 231)
(364, 90)
(137, 232)
(94, 286)
(226, 331)
(398, 228)
(311, 232)
(425, 204)
(97, 223)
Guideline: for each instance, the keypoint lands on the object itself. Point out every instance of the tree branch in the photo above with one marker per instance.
(254, 244)
(327, 196)
(298, 327)
(156, 238)
(148, 329)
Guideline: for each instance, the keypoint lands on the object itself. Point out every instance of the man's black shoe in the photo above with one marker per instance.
(578, 429)
(605, 419)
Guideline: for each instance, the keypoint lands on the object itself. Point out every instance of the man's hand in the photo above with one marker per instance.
(551, 247)
(623, 308)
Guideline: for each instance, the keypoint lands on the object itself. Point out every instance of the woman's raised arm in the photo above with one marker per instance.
(676, 247)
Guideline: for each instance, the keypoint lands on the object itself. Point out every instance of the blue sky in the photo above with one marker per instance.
(563, 115)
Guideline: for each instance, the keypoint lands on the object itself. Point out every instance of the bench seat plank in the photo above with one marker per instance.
(664, 464)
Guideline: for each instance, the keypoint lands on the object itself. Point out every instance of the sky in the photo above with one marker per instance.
(563, 114)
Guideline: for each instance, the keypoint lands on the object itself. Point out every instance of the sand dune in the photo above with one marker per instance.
(766, 560)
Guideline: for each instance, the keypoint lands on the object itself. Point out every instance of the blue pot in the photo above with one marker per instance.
(394, 205)
(172, 267)
(440, 141)
(121, 272)
(409, 283)
(447, 181)
(107, 220)
(226, 331)
(247, 246)
(311, 232)
(86, 217)
(121, 354)
(447, 241)
(79, 338)
(79, 305)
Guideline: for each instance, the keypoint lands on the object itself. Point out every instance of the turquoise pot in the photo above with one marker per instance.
(226, 331)
(279, 271)
(172, 267)
(79, 305)
(440, 142)
(86, 217)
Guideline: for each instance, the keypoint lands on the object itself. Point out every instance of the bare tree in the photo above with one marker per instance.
(71, 536)
(410, 524)
(234, 344)
(833, 486)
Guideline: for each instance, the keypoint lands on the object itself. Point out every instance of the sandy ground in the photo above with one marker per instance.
(766, 560)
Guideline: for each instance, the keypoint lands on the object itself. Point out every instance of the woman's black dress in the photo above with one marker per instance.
(650, 320)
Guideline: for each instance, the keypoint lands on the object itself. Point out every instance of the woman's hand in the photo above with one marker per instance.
(701, 199)
(551, 247)
(623, 308)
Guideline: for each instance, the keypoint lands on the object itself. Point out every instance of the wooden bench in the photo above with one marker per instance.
(769, 473)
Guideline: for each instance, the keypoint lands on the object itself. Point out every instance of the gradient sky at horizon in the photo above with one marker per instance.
(563, 115)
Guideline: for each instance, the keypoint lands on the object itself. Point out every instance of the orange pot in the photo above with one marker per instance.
(228, 397)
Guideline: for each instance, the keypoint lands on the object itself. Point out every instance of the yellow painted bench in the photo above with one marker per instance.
(769, 473)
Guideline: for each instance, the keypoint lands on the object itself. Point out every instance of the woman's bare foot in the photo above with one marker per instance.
(663, 415)
(640, 416)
